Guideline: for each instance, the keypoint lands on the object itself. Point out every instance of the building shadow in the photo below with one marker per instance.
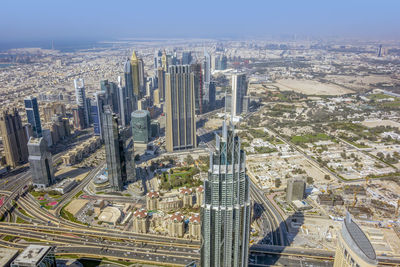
(267, 250)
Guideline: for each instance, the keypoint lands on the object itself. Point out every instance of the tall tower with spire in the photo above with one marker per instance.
(225, 211)
(164, 62)
(135, 75)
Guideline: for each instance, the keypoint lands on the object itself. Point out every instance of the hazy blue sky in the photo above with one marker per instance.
(101, 19)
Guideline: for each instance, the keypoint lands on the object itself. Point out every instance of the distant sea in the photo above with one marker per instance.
(62, 46)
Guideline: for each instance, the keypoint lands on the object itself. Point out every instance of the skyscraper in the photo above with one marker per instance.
(131, 99)
(206, 77)
(225, 211)
(161, 82)
(81, 99)
(135, 76)
(112, 95)
(186, 58)
(157, 60)
(142, 78)
(100, 99)
(119, 151)
(164, 61)
(296, 189)
(125, 104)
(198, 87)
(41, 163)
(32, 112)
(180, 108)
(14, 138)
(211, 96)
(78, 114)
(141, 126)
(239, 90)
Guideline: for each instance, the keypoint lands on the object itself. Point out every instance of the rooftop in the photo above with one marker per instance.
(153, 194)
(358, 237)
(142, 213)
(110, 215)
(6, 255)
(33, 254)
(177, 217)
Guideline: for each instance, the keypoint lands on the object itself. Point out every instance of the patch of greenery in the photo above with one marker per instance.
(180, 177)
(19, 220)
(265, 150)
(309, 138)
(68, 216)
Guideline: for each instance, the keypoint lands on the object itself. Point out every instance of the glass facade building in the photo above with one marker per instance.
(32, 112)
(225, 210)
(180, 108)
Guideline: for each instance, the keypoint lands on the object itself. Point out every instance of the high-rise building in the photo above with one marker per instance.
(180, 108)
(198, 87)
(131, 98)
(164, 61)
(141, 126)
(14, 138)
(206, 77)
(81, 99)
(295, 190)
(186, 58)
(353, 247)
(119, 151)
(135, 76)
(100, 102)
(161, 82)
(142, 78)
(239, 90)
(41, 163)
(111, 94)
(157, 60)
(156, 97)
(53, 108)
(225, 211)
(125, 104)
(78, 114)
(32, 112)
(211, 96)
(219, 62)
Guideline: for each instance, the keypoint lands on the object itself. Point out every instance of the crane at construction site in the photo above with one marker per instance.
(354, 199)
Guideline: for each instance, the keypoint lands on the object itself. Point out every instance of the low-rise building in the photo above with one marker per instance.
(35, 255)
(170, 203)
(7, 255)
(110, 215)
(187, 197)
(176, 225)
(199, 195)
(195, 226)
(65, 186)
(76, 206)
(152, 199)
(140, 222)
(353, 247)
(330, 199)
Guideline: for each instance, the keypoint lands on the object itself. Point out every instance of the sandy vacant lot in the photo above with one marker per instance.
(375, 123)
(310, 87)
(361, 82)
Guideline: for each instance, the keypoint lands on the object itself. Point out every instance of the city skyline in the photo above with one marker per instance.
(212, 134)
(49, 20)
